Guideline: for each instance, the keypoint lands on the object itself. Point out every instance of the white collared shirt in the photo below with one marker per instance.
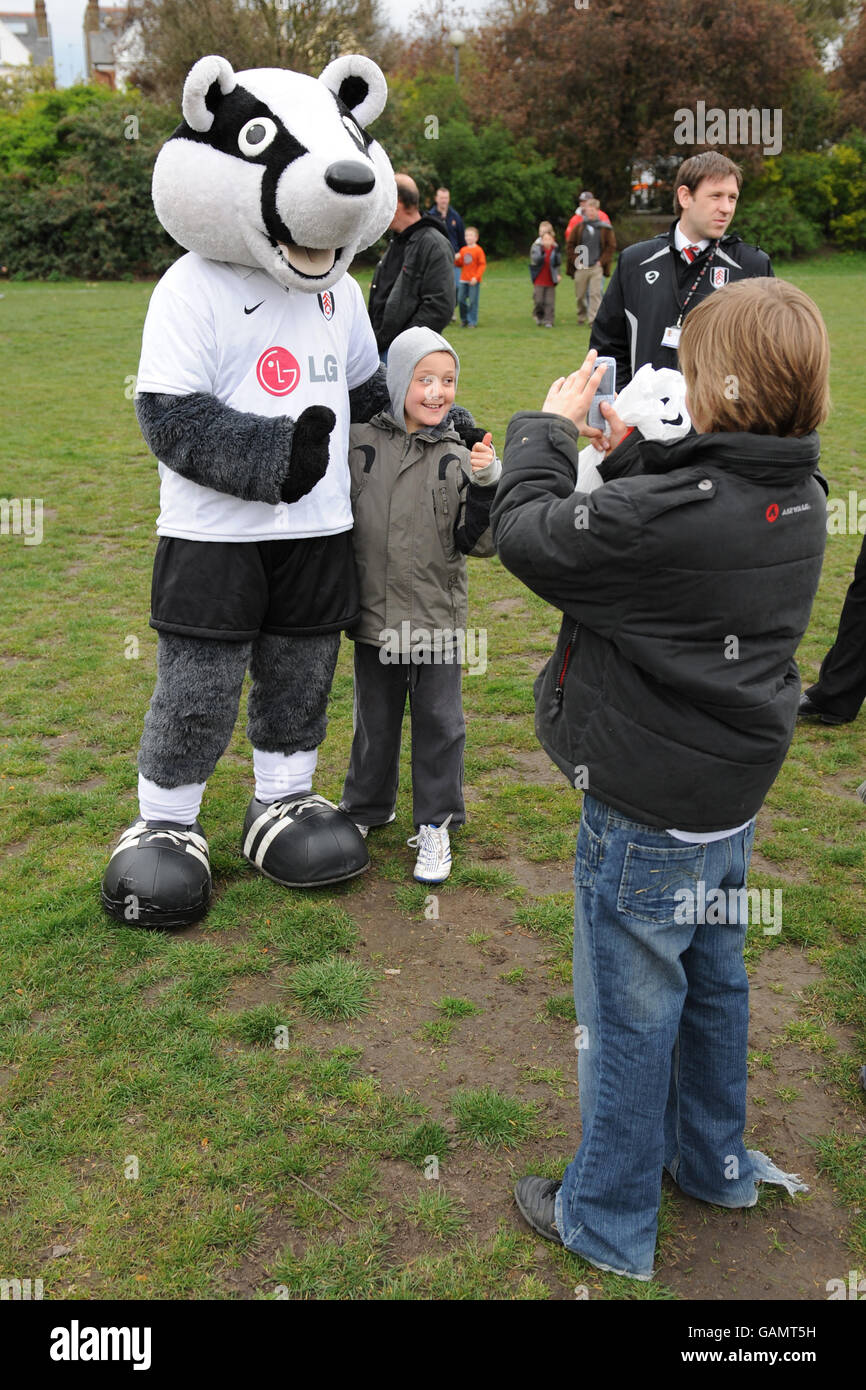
(680, 240)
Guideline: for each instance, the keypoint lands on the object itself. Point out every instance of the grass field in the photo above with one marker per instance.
(330, 1094)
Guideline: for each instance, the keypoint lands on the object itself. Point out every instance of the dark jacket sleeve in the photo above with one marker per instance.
(472, 532)
(423, 295)
(578, 551)
(609, 334)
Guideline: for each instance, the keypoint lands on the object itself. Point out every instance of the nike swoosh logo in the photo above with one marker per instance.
(255, 306)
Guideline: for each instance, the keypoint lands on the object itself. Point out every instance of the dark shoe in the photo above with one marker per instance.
(536, 1201)
(158, 875)
(303, 841)
(808, 710)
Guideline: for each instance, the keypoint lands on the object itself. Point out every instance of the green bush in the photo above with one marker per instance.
(75, 174)
(806, 195)
(776, 225)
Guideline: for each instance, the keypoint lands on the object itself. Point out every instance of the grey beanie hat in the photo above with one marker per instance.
(404, 354)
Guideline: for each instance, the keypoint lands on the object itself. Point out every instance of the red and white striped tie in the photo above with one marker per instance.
(691, 253)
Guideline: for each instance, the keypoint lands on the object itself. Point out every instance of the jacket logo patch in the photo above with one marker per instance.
(719, 276)
(277, 371)
(772, 512)
(651, 276)
(326, 304)
(369, 456)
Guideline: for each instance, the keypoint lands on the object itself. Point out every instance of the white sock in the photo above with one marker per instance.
(282, 774)
(179, 805)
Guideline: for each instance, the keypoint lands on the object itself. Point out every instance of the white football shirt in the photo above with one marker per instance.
(232, 332)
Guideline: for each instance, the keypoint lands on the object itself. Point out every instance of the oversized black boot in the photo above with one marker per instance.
(303, 841)
(158, 875)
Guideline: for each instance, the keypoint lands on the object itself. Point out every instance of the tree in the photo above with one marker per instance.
(596, 89)
(849, 79)
(300, 34)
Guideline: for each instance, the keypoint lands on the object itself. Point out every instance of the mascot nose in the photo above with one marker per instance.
(349, 176)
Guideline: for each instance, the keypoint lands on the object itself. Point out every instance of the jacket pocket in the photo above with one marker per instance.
(446, 518)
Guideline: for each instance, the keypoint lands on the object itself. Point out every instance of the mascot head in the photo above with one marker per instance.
(273, 169)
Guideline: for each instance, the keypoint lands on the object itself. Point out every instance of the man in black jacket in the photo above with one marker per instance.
(413, 284)
(658, 282)
(671, 701)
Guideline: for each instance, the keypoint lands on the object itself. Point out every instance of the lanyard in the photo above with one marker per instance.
(698, 278)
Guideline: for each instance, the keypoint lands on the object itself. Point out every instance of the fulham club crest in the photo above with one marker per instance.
(718, 276)
(326, 303)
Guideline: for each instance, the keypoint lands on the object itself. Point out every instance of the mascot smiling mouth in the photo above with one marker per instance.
(308, 261)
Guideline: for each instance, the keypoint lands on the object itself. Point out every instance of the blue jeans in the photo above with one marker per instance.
(663, 1011)
(467, 302)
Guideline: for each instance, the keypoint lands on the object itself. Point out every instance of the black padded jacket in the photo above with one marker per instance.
(413, 284)
(673, 691)
(646, 294)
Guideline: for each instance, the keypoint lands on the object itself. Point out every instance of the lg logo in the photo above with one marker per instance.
(278, 371)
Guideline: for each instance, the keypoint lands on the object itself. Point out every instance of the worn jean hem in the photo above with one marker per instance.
(559, 1223)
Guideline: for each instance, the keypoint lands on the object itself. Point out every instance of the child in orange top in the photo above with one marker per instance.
(473, 263)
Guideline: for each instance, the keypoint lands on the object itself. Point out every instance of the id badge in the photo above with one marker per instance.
(671, 337)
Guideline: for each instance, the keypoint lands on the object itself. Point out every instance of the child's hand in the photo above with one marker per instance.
(571, 395)
(482, 454)
(618, 430)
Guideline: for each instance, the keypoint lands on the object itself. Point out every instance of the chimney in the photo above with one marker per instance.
(91, 17)
(41, 20)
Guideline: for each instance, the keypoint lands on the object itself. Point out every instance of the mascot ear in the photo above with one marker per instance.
(206, 82)
(359, 83)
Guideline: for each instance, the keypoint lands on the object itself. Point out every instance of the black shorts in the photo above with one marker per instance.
(235, 590)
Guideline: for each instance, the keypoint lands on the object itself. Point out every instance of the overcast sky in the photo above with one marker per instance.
(399, 12)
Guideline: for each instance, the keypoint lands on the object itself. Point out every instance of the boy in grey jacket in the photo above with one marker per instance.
(421, 502)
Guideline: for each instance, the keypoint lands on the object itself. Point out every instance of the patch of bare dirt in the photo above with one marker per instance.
(785, 1248)
(535, 766)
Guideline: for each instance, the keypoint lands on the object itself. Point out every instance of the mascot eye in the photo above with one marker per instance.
(256, 135)
(355, 131)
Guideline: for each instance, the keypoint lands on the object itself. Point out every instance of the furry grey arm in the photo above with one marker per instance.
(369, 398)
(245, 455)
(259, 458)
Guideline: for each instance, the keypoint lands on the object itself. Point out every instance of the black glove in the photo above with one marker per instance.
(460, 420)
(308, 460)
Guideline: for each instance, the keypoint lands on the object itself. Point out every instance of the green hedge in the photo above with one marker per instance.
(75, 172)
(807, 197)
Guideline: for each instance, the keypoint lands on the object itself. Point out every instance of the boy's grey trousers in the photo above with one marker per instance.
(438, 739)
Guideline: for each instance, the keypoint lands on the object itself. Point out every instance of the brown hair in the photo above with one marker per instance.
(756, 358)
(708, 165)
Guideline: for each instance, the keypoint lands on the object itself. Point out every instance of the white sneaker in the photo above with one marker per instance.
(433, 864)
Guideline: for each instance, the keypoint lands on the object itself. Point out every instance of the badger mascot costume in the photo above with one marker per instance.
(257, 351)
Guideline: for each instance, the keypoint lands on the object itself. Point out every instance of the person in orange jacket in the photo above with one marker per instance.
(473, 263)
